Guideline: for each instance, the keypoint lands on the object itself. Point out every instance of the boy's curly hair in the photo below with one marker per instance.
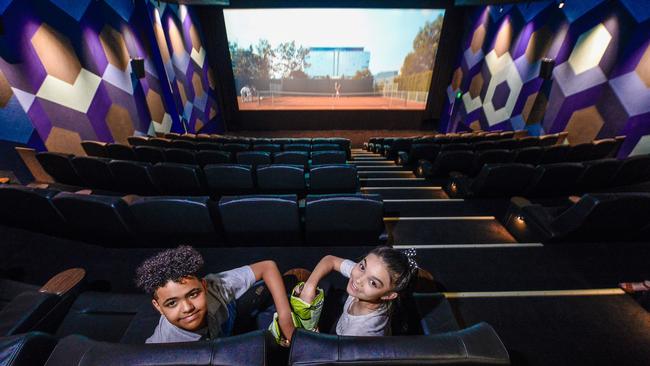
(172, 264)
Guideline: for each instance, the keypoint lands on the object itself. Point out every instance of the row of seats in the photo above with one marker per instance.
(230, 146)
(184, 179)
(224, 139)
(152, 154)
(602, 217)
(440, 162)
(550, 180)
(97, 328)
(133, 220)
(379, 144)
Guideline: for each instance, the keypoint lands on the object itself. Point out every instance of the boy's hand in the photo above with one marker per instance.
(286, 325)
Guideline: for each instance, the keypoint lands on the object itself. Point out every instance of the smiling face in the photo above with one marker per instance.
(183, 303)
(370, 281)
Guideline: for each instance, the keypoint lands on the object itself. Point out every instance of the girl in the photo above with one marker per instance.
(382, 276)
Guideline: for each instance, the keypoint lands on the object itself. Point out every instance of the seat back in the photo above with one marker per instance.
(149, 154)
(133, 177)
(29, 208)
(206, 157)
(449, 161)
(246, 349)
(95, 148)
(254, 158)
(598, 174)
(137, 140)
(59, 166)
(555, 154)
(180, 179)
(325, 147)
(634, 169)
(352, 219)
(502, 180)
(602, 149)
(291, 157)
(491, 157)
(456, 147)
(120, 152)
(161, 143)
(235, 148)
(581, 152)
(261, 219)
(528, 155)
(508, 144)
(485, 145)
(94, 172)
(476, 345)
(267, 147)
(212, 146)
(281, 178)
(229, 179)
(334, 178)
(328, 157)
(527, 141)
(423, 151)
(183, 144)
(95, 216)
(297, 147)
(548, 140)
(26, 349)
(182, 156)
(555, 179)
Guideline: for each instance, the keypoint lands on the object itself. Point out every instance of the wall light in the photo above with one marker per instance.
(520, 219)
(560, 4)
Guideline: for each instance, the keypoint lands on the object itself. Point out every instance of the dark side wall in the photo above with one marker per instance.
(601, 81)
(66, 75)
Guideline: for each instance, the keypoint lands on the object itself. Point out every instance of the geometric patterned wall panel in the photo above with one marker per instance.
(601, 81)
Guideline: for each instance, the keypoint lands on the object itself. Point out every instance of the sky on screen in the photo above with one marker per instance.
(386, 33)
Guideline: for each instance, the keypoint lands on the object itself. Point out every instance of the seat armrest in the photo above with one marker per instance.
(573, 199)
(64, 281)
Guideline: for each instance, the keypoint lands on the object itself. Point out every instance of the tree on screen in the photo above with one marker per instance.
(252, 63)
(290, 59)
(425, 47)
(362, 74)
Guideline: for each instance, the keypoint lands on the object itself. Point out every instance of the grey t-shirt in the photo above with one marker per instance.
(235, 282)
(372, 324)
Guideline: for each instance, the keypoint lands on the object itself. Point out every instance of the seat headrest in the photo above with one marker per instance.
(26, 349)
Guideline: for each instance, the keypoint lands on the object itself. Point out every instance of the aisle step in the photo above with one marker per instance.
(411, 192)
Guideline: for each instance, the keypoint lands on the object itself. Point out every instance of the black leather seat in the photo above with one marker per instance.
(181, 156)
(137, 140)
(235, 148)
(635, 169)
(261, 219)
(297, 147)
(254, 158)
(344, 219)
(59, 166)
(30, 208)
(301, 141)
(603, 148)
(213, 146)
(485, 145)
(555, 154)
(161, 143)
(325, 147)
(399, 144)
(328, 157)
(508, 144)
(229, 179)
(26, 349)
(459, 146)
(553, 180)
(527, 141)
(149, 154)
(133, 177)
(120, 152)
(333, 178)
(476, 345)
(528, 155)
(291, 157)
(267, 147)
(94, 172)
(246, 349)
(95, 148)
(598, 174)
(281, 178)
(581, 152)
(180, 179)
(461, 161)
(548, 140)
(494, 180)
(419, 152)
(491, 157)
(95, 217)
(173, 219)
(206, 157)
(181, 144)
(594, 217)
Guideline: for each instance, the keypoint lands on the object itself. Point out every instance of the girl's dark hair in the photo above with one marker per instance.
(169, 265)
(402, 271)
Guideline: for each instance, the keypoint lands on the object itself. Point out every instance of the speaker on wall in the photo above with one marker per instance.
(137, 67)
(546, 68)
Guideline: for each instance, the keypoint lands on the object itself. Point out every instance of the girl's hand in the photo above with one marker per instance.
(307, 292)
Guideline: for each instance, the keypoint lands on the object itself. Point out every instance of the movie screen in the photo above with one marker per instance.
(297, 59)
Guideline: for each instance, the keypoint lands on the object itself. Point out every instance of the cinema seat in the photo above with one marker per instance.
(180, 179)
(181, 156)
(476, 345)
(281, 178)
(235, 148)
(206, 157)
(120, 152)
(527, 141)
(598, 174)
(344, 219)
(159, 142)
(603, 148)
(212, 146)
(553, 180)
(95, 217)
(59, 166)
(325, 147)
(581, 152)
(555, 154)
(548, 140)
(333, 178)
(494, 180)
(260, 219)
(297, 147)
(137, 140)
(328, 157)
(490, 157)
(27, 349)
(30, 208)
(95, 148)
(456, 147)
(633, 170)
(417, 152)
(133, 177)
(485, 145)
(292, 158)
(94, 172)
(174, 219)
(301, 141)
(528, 155)
(446, 162)
(271, 148)
(598, 217)
(253, 158)
(181, 144)
(507, 144)
(149, 154)
(229, 179)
